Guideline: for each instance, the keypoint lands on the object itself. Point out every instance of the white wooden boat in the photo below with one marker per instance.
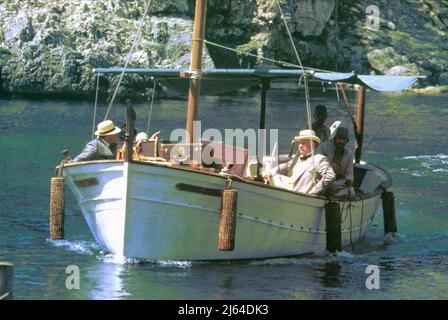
(156, 210)
(142, 210)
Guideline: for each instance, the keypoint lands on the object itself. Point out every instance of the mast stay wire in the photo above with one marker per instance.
(307, 90)
(96, 103)
(129, 56)
(280, 62)
(289, 34)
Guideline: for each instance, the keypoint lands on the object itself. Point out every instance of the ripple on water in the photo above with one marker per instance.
(119, 259)
(81, 246)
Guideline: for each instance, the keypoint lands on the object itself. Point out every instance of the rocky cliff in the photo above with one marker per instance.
(51, 47)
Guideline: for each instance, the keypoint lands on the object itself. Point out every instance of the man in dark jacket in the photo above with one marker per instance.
(319, 126)
(104, 146)
(341, 160)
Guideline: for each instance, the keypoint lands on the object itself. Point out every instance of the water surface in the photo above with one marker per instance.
(406, 134)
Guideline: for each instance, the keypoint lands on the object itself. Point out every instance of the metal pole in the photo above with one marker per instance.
(195, 65)
(262, 127)
(359, 136)
(129, 134)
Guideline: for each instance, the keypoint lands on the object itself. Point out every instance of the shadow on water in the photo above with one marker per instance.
(331, 275)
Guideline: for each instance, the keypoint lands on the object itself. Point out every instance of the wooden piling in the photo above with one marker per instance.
(390, 220)
(57, 207)
(6, 280)
(333, 227)
(227, 223)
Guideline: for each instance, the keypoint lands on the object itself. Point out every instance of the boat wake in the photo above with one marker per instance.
(117, 259)
(426, 165)
(81, 246)
(93, 249)
(306, 261)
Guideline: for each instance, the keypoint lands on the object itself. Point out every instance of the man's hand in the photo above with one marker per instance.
(337, 169)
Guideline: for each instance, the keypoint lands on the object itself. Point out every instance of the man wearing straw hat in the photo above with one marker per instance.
(104, 146)
(308, 172)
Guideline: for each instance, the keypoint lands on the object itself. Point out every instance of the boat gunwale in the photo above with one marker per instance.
(363, 196)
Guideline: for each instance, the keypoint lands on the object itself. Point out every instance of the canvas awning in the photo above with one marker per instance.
(377, 83)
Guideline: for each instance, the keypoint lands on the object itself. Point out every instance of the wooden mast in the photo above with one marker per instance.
(195, 65)
(262, 126)
(359, 133)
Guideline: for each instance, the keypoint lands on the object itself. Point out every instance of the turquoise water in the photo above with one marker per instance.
(406, 134)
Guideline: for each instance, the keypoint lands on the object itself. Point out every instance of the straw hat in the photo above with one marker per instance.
(106, 128)
(307, 135)
(141, 136)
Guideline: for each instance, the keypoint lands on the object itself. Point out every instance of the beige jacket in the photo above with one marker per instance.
(308, 175)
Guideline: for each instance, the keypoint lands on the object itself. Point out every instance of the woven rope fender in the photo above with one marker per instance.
(57, 207)
(227, 222)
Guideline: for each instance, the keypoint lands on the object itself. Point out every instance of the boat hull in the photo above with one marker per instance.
(140, 211)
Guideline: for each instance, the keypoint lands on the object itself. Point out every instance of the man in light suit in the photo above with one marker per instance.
(307, 172)
(341, 159)
(104, 146)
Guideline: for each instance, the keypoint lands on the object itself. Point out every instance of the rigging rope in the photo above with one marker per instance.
(96, 103)
(307, 90)
(286, 64)
(289, 34)
(152, 102)
(351, 226)
(129, 56)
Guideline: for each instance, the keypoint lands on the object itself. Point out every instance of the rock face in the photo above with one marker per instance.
(51, 47)
(387, 61)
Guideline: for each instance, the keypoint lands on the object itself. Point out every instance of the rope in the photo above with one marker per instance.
(289, 34)
(286, 64)
(337, 92)
(383, 124)
(152, 102)
(351, 239)
(307, 90)
(362, 217)
(128, 57)
(96, 103)
(308, 105)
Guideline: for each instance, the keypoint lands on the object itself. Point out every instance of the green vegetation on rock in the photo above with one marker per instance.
(52, 46)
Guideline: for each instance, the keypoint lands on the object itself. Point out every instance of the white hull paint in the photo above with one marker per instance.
(135, 210)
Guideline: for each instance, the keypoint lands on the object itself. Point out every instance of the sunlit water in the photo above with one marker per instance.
(406, 134)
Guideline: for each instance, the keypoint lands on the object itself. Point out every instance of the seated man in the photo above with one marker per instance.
(341, 159)
(102, 147)
(305, 173)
